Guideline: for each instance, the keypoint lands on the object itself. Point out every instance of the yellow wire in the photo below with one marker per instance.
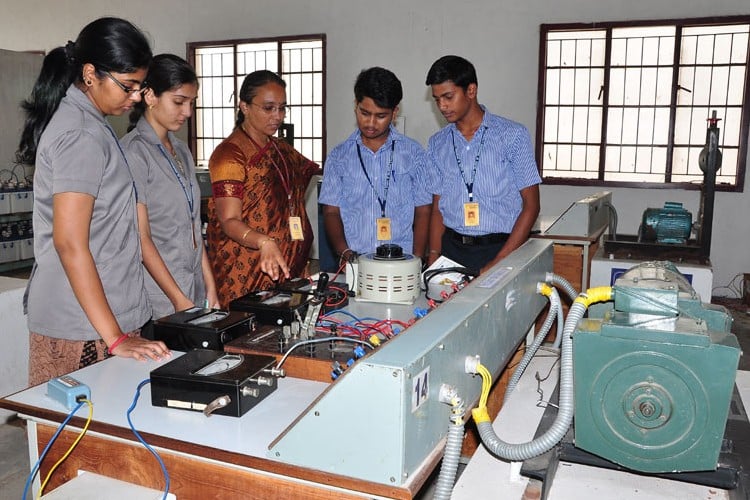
(486, 385)
(72, 446)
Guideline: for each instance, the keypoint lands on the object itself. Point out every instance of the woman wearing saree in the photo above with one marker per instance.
(258, 230)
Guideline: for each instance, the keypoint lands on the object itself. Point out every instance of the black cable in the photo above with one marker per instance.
(428, 275)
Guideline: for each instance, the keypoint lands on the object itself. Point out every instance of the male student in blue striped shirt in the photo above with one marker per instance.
(486, 197)
(375, 183)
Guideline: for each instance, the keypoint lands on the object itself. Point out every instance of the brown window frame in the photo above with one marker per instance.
(602, 140)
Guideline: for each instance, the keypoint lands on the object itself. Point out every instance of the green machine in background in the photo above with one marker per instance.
(654, 376)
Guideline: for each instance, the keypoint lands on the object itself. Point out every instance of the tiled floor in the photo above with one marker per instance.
(14, 463)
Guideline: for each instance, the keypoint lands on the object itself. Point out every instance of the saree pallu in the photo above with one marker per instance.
(271, 184)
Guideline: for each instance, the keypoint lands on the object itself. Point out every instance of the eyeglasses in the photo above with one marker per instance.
(125, 88)
(270, 108)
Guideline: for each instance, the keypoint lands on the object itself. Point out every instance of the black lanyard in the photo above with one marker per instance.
(382, 201)
(469, 185)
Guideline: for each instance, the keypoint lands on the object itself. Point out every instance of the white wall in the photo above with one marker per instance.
(500, 37)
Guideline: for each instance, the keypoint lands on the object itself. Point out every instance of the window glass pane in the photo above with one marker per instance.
(307, 121)
(306, 89)
(645, 128)
(317, 123)
(563, 157)
(596, 83)
(728, 170)
(686, 82)
(682, 125)
(582, 87)
(618, 52)
(632, 86)
(228, 119)
(595, 125)
(629, 126)
(551, 121)
(614, 125)
(661, 126)
(578, 158)
(294, 115)
(617, 86)
(552, 95)
(317, 151)
(567, 86)
(199, 122)
(729, 128)
(583, 53)
(666, 50)
(318, 59)
(739, 47)
(568, 53)
(565, 124)
(295, 60)
(317, 90)
(648, 86)
(553, 52)
(663, 86)
(580, 124)
(294, 88)
(736, 85)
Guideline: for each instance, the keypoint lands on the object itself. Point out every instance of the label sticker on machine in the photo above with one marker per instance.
(420, 389)
(494, 277)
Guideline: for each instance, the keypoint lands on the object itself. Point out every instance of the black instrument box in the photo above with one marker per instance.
(201, 377)
(274, 307)
(199, 328)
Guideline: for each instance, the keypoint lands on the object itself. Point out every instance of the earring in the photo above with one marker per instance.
(150, 106)
(88, 82)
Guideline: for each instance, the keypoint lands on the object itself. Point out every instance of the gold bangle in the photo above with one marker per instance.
(268, 238)
(242, 240)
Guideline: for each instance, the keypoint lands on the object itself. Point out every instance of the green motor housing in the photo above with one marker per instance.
(654, 377)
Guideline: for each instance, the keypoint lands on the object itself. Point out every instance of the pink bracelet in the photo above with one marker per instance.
(117, 342)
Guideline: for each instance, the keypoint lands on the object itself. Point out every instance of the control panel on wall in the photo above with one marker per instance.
(16, 232)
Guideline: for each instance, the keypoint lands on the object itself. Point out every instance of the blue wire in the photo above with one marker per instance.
(35, 469)
(148, 447)
(347, 313)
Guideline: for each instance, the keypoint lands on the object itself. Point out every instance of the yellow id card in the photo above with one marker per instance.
(471, 214)
(295, 228)
(383, 228)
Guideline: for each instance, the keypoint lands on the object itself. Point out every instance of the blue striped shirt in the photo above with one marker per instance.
(506, 166)
(345, 186)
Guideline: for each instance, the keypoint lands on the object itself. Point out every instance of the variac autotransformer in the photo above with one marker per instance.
(654, 377)
(388, 276)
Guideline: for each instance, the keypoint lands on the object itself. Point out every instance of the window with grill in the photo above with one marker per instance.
(221, 67)
(628, 103)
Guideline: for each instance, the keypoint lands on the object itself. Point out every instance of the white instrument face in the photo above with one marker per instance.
(223, 364)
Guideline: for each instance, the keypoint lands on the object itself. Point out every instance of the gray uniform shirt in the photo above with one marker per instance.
(78, 152)
(173, 202)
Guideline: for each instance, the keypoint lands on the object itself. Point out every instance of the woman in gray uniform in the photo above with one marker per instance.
(85, 297)
(168, 193)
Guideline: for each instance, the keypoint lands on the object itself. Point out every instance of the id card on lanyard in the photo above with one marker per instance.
(471, 208)
(382, 223)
